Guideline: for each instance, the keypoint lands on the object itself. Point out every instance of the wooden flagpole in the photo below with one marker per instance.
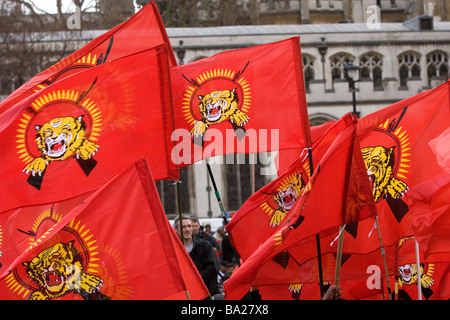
(319, 252)
(396, 272)
(419, 282)
(383, 254)
(337, 273)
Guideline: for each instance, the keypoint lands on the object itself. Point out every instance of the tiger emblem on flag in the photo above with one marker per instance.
(379, 162)
(408, 275)
(285, 198)
(216, 107)
(59, 139)
(59, 270)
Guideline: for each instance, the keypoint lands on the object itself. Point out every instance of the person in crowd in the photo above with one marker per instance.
(219, 234)
(201, 253)
(205, 235)
(223, 275)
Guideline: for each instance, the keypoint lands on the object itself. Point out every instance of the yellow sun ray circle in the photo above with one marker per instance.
(402, 136)
(16, 285)
(70, 96)
(211, 74)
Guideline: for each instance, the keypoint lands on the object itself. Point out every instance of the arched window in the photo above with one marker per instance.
(371, 65)
(308, 69)
(437, 66)
(409, 67)
(338, 61)
(318, 119)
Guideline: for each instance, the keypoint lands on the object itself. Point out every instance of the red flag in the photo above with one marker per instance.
(116, 244)
(142, 31)
(434, 280)
(338, 193)
(285, 158)
(247, 100)
(74, 136)
(395, 146)
(430, 211)
(267, 208)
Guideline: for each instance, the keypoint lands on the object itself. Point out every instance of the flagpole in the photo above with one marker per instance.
(383, 254)
(319, 252)
(252, 173)
(419, 282)
(216, 192)
(225, 220)
(396, 273)
(337, 273)
(178, 193)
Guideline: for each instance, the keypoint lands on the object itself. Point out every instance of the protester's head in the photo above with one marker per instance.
(186, 226)
(195, 226)
(221, 231)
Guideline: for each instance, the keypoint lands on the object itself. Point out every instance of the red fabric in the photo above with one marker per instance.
(264, 210)
(118, 242)
(285, 158)
(430, 211)
(403, 130)
(142, 31)
(265, 89)
(341, 176)
(115, 114)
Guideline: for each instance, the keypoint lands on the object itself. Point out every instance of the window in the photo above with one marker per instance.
(372, 68)
(338, 62)
(168, 193)
(308, 69)
(437, 65)
(239, 178)
(409, 67)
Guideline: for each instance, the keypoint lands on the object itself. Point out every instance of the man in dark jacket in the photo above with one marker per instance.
(201, 253)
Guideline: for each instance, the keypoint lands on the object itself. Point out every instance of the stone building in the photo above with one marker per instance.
(396, 60)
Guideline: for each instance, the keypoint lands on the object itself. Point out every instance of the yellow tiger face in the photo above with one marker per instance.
(379, 163)
(408, 275)
(58, 270)
(217, 106)
(286, 198)
(59, 138)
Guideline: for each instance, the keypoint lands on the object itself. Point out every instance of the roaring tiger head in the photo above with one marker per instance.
(408, 275)
(286, 197)
(59, 270)
(59, 138)
(217, 106)
(379, 163)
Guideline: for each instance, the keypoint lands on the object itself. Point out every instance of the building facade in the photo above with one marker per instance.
(396, 60)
